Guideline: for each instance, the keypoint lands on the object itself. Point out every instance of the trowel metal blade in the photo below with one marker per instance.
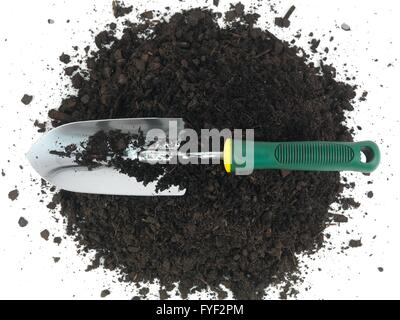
(65, 174)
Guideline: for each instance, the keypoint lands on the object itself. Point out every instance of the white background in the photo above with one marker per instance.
(29, 51)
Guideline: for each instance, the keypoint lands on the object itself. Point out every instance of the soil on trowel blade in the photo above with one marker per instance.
(239, 231)
(111, 149)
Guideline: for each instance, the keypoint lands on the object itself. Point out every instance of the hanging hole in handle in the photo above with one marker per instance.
(366, 154)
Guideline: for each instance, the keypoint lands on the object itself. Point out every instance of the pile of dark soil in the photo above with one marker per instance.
(239, 231)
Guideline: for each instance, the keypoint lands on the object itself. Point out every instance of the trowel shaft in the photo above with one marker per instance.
(153, 156)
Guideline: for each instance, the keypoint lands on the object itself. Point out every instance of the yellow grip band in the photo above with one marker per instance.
(228, 155)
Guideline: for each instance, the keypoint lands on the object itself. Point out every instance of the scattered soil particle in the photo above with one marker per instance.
(65, 58)
(105, 293)
(22, 222)
(144, 291)
(222, 294)
(355, 243)
(216, 3)
(380, 269)
(50, 21)
(345, 27)
(40, 125)
(57, 240)
(45, 234)
(58, 115)
(284, 22)
(164, 294)
(364, 96)
(67, 151)
(119, 9)
(102, 39)
(13, 194)
(339, 218)
(69, 71)
(51, 205)
(287, 292)
(348, 203)
(3, 174)
(315, 44)
(26, 99)
(244, 232)
(56, 259)
(77, 81)
(235, 12)
(147, 15)
(370, 194)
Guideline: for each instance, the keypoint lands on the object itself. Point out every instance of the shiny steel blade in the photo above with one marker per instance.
(65, 174)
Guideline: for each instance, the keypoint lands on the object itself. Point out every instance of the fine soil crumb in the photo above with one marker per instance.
(105, 293)
(119, 9)
(22, 222)
(52, 205)
(244, 232)
(65, 58)
(355, 243)
(380, 269)
(45, 234)
(370, 194)
(57, 240)
(13, 194)
(56, 259)
(50, 21)
(26, 99)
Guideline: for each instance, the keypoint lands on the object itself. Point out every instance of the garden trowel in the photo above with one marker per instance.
(65, 173)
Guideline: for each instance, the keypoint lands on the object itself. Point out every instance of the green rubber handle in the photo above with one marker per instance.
(306, 156)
